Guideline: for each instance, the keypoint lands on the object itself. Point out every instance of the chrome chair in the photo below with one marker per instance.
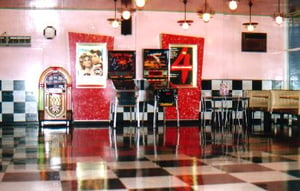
(166, 97)
(125, 98)
(240, 116)
(206, 113)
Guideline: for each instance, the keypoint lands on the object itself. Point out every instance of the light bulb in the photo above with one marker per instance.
(279, 19)
(233, 5)
(115, 24)
(126, 14)
(140, 3)
(250, 27)
(206, 17)
(185, 25)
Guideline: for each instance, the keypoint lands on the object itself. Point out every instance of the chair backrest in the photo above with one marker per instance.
(127, 98)
(284, 100)
(258, 99)
(166, 97)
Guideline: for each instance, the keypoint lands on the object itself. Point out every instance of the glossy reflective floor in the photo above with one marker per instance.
(169, 159)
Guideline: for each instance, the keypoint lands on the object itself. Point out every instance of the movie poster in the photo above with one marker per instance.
(91, 65)
(183, 65)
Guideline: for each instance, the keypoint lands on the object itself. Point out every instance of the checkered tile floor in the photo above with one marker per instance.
(101, 159)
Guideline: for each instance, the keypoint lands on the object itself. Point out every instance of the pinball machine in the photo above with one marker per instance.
(121, 72)
(161, 92)
(55, 103)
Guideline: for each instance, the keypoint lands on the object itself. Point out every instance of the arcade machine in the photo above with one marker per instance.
(156, 71)
(54, 104)
(121, 72)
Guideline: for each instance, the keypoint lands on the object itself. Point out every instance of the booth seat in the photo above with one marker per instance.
(272, 102)
(284, 101)
(258, 99)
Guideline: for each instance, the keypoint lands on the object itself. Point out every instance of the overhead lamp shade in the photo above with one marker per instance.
(140, 3)
(233, 5)
(279, 19)
(185, 25)
(126, 14)
(250, 26)
(206, 17)
(115, 23)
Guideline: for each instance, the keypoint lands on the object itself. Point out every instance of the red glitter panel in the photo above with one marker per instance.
(188, 98)
(89, 103)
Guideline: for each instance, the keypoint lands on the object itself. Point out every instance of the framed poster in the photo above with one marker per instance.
(156, 63)
(121, 64)
(183, 65)
(91, 65)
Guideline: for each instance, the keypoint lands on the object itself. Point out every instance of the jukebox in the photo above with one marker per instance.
(55, 104)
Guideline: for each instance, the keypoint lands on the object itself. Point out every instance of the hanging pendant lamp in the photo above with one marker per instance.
(233, 4)
(115, 22)
(250, 25)
(207, 13)
(279, 16)
(185, 24)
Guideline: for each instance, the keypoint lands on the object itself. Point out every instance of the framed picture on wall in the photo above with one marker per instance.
(183, 65)
(91, 65)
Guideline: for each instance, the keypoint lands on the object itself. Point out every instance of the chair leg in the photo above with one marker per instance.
(115, 113)
(154, 113)
(177, 111)
(138, 114)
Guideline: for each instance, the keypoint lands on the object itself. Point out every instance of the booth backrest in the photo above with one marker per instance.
(258, 99)
(285, 101)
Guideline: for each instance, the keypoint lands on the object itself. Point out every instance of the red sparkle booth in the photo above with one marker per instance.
(55, 105)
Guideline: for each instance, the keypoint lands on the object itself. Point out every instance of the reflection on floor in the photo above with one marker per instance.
(166, 159)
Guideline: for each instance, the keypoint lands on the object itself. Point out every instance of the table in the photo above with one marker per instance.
(228, 112)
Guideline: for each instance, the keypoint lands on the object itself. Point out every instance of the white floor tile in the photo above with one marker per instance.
(263, 176)
(168, 157)
(152, 182)
(132, 165)
(32, 186)
(193, 170)
(282, 166)
(231, 187)
(87, 174)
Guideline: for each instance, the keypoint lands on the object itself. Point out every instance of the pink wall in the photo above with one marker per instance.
(222, 56)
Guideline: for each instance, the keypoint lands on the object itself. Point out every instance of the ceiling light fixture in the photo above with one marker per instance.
(126, 14)
(233, 4)
(278, 16)
(250, 25)
(115, 22)
(185, 24)
(207, 13)
(140, 3)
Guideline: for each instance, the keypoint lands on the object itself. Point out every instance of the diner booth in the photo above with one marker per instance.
(55, 104)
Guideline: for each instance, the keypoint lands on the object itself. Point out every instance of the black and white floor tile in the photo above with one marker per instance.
(141, 159)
